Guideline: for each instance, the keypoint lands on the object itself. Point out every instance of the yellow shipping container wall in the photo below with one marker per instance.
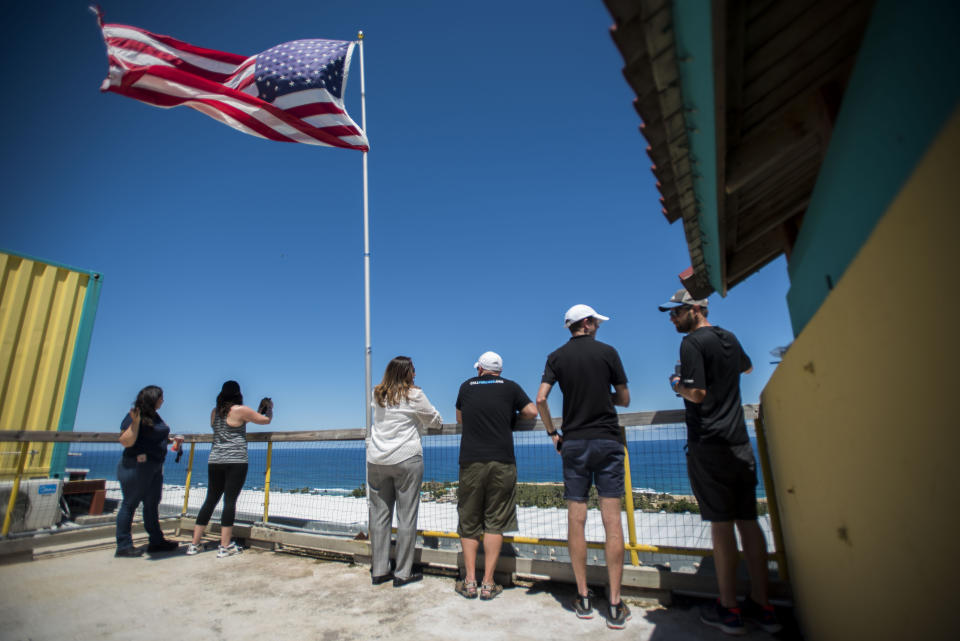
(46, 322)
(860, 424)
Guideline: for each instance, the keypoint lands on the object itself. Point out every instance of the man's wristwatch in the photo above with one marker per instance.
(553, 433)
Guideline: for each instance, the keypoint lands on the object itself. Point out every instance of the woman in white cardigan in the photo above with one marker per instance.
(395, 469)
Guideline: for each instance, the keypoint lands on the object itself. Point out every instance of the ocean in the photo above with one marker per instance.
(656, 464)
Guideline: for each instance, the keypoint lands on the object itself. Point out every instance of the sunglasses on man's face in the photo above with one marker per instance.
(676, 311)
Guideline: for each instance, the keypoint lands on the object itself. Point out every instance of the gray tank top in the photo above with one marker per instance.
(229, 443)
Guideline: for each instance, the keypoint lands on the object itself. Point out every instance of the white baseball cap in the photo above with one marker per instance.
(489, 361)
(579, 312)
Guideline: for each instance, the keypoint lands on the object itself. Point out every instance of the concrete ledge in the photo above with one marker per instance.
(25, 544)
(641, 581)
(644, 582)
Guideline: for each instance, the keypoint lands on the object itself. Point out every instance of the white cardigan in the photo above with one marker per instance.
(394, 436)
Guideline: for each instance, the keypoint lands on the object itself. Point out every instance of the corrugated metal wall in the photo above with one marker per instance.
(46, 319)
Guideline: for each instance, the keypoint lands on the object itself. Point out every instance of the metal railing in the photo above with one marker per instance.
(335, 459)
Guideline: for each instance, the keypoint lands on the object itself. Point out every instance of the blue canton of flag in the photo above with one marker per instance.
(300, 65)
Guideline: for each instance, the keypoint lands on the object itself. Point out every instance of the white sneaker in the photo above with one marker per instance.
(193, 549)
(230, 550)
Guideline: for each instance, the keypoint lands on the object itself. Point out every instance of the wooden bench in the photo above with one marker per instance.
(97, 488)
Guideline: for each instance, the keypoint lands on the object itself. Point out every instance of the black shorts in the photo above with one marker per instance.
(724, 481)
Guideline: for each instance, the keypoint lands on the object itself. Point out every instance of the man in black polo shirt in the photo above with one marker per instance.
(592, 381)
(720, 462)
(487, 408)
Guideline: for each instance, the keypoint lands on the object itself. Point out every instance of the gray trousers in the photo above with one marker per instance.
(388, 485)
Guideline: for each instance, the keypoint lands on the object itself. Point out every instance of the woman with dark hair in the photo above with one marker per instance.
(144, 437)
(227, 465)
(395, 469)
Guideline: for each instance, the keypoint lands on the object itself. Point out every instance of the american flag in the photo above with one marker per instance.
(292, 92)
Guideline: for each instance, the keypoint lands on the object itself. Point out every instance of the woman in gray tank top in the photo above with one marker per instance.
(227, 465)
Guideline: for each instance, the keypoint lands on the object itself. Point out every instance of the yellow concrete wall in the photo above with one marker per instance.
(40, 312)
(863, 428)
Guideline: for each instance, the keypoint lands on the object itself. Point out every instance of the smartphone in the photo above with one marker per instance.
(264, 405)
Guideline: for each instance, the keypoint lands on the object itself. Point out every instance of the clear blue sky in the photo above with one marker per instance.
(508, 181)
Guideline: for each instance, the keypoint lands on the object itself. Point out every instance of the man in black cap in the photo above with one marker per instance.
(720, 462)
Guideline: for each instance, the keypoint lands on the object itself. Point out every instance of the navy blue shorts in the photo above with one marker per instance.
(592, 461)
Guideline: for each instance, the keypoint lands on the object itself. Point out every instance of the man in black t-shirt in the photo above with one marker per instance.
(592, 381)
(720, 460)
(487, 407)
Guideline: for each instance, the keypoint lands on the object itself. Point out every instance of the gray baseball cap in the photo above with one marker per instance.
(680, 298)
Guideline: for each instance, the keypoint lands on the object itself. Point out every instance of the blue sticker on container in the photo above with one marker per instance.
(50, 488)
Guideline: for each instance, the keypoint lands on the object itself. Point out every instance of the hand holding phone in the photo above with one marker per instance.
(266, 407)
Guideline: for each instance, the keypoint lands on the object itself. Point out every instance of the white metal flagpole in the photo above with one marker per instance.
(368, 382)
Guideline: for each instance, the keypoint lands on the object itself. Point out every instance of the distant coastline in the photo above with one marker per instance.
(657, 466)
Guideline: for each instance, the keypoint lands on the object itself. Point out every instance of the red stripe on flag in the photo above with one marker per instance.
(321, 108)
(249, 80)
(128, 44)
(213, 54)
(314, 109)
(163, 100)
(340, 130)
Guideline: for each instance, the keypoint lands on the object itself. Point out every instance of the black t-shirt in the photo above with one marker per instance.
(151, 441)
(586, 370)
(712, 359)
(489, 406)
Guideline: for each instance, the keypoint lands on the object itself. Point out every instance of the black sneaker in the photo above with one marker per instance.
(583, 605)
(763, 616)
(128, 552)
(163, 546)
(618, 616)
(727, 619)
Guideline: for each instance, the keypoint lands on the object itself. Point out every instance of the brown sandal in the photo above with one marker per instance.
(466, 589)
(490, 591)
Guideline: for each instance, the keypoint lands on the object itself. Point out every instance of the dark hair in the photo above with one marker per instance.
(396, 383)
(576, 327)
(146, 402)
(228, 397)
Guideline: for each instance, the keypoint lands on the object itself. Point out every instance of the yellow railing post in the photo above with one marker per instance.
(772, 506)
(21, 461)
(186, 490)
(628, 496)
(266, 484)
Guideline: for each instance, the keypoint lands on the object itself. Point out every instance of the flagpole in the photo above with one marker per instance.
(368, 382)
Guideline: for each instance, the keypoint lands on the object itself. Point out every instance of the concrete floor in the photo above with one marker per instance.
(91, 595)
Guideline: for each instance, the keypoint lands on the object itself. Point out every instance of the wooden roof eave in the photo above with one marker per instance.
(643, 32)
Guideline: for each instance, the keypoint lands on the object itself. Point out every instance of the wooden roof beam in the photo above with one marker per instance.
(750, 259)
(774, 222)
(761, 152)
